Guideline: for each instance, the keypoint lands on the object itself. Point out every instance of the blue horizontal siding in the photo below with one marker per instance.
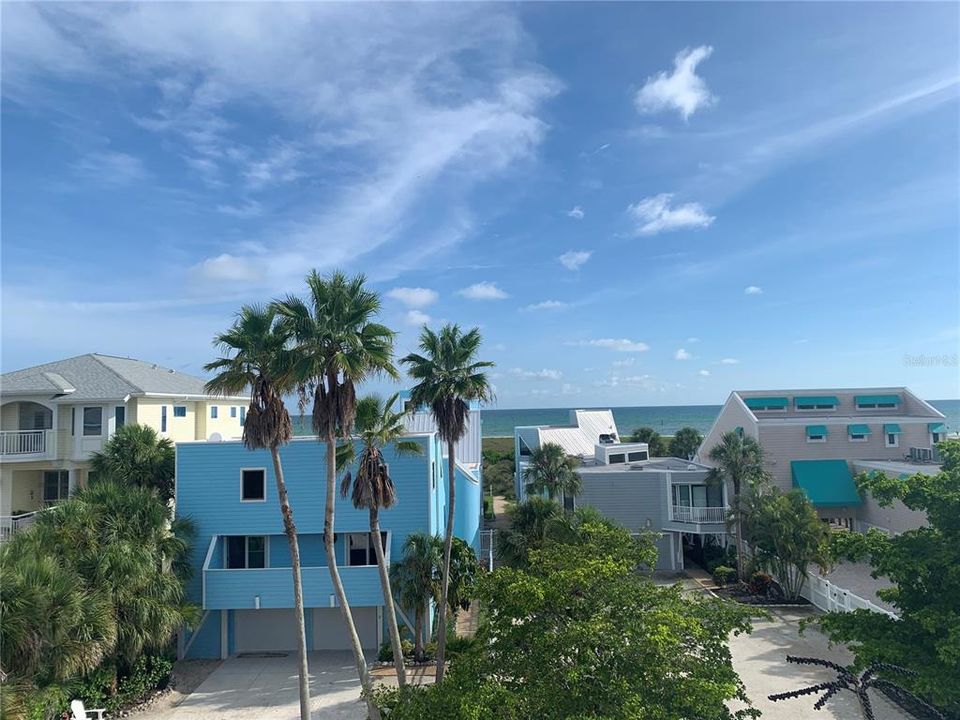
(237, 589)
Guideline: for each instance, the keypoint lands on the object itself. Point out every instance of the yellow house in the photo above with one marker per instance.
(53, 417)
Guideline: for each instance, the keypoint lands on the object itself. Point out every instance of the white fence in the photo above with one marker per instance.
(9, 524)
(832, 598)
(685, 513)
(487, 548)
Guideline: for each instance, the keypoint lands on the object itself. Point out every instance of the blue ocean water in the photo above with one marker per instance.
(665, 419)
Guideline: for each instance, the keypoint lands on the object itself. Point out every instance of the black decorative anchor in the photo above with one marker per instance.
(858, 684)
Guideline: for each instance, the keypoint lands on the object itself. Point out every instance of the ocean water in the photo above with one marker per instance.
(665, 419)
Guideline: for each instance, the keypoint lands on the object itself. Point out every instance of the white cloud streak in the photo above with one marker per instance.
(483, 291)
(618, 344)
(414, 297)
(654, 215)
(546, 305)
(682, 90)
(682, 354)
(575, 259)
(576, 213)
(753, 290)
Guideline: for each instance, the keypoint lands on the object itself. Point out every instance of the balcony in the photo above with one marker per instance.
(273, 587)
(27, 444)
(686, 518)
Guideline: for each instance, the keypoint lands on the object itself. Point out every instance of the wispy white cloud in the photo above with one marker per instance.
(753, 290)
(544, 374)
(729, 361)
(110, 168)
(244, 210)
(618, 344)
(416, 317)
(414, 297)
(576, 213)
(483, 291)
(682, 354)
(575, 259)
(691, 340)
(569, 389)
(626, 362)
(546, 305)
(682, 90)
(277, 166)
(655, 214)
(704, 373)
(228, 268)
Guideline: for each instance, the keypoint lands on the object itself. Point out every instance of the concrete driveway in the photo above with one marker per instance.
(266, 689)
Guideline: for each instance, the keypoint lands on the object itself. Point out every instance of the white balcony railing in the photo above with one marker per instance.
(683, 513)
(25, 442)
(10, 524)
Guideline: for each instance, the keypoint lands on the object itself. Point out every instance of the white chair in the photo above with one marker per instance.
(79, 712)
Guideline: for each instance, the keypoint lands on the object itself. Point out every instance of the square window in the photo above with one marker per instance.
(179, 410)
(92, 421)
(213, 412)
(360, 549)
(253, 485)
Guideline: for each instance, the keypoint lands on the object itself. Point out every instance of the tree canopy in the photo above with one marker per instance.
(924, 565)
(137, 455)
(685, 443)
(578, 633)
(655, 443)
(552, 471)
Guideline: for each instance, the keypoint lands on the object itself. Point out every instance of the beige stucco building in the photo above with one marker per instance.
(53, 417)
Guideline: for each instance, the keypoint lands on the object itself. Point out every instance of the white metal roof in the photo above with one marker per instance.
(583, 434)
(468, 448)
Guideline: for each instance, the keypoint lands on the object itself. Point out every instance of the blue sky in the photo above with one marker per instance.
(637, 203)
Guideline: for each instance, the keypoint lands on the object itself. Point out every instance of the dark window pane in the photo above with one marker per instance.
(236, 551)
(92, 421)
(253, 485)
(256, 552)
(617, 458)
(179, 410)
(634, 456)
(121, 414)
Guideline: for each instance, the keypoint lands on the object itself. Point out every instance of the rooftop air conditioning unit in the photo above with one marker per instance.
(926, 455)
(915, 454)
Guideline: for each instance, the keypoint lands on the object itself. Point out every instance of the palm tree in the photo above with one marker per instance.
(135, 454)
(552, 471)
(450, 378)
(531, 524)
(257, 358)
(739, 460)
(415, 580)
(378, 426)
(337, 346)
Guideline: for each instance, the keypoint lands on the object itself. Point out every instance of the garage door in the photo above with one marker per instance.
(330, 632)
(264, 631)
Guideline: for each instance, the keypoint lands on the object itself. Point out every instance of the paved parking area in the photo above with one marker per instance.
(266, 689)
(760, 659)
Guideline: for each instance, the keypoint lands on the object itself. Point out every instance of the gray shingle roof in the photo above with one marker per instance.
(100, 376)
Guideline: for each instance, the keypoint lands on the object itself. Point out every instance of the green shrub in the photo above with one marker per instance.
(759, 583)
(48, 703)
(488, 513)
(722, 574)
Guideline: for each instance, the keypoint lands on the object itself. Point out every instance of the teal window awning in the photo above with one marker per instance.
(858, 429)
(828, 483)
(816, 401)
(767, 403)
(937, 427)
(816, 431)
(891, 429)
(877, 399)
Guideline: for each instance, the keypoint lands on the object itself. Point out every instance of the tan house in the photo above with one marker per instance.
(817, 439)
(53, 417)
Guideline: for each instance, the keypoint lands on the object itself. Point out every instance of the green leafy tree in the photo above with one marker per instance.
(580, 634)
(685, 443)
(338, 345)
(786, 535)
(539, 522)
(415, 581)
(738, 460)
(924, 567)
(257, 359)
(449, 377)
(655, 444)
(552, 471)
(136, 455)
(93, 583)
(378, 427)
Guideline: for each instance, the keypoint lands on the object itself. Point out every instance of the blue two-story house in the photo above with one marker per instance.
(242, 579)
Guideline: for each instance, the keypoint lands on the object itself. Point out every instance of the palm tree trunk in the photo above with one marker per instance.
(291, 532)
(418, 630)
(388, 598)
(445, 577)
(365, 683)
(738, 530)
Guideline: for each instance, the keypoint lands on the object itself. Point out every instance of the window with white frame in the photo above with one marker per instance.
(179, 410)
(120, 413)
(56, 486)
(92, 421)
(245, 552)
(360, 549)
(858, 437)
(936, 437)
(816, 437)
(892, 440)
(213, 412)
(233, 411)
(253, 485)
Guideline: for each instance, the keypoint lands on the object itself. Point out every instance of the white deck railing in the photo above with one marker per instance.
(833, 598)
(10, 524)
(24, 442)
(683, 513)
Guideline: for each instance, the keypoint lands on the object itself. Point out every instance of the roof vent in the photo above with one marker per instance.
(691, 466)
